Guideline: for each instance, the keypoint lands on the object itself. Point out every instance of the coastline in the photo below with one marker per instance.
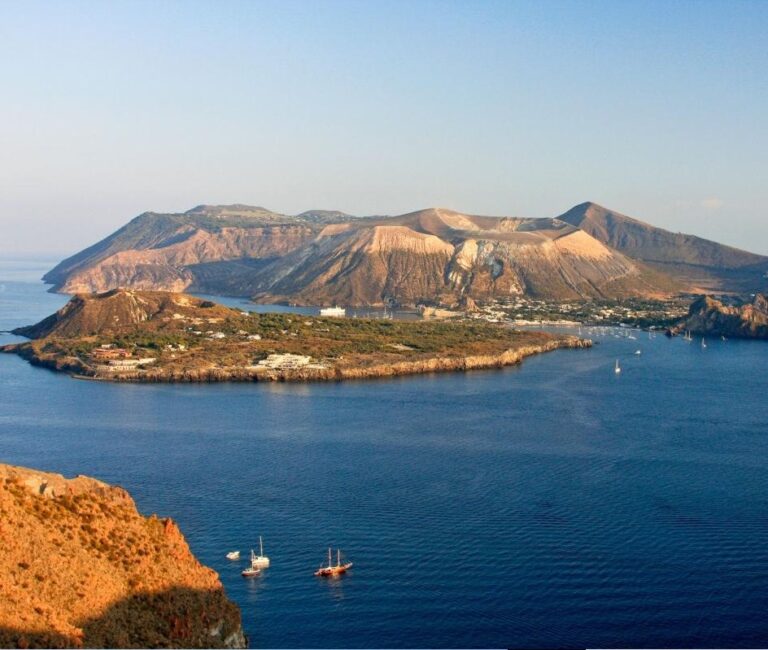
(376, 370)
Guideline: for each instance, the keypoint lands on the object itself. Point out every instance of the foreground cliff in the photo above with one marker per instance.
(80, 567)
(171, 337)
(708, 316)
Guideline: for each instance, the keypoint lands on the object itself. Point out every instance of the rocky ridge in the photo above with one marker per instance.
(710, 317)
(433, 256)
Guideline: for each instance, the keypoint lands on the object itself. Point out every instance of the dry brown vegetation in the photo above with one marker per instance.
(81, 567)
(179, 332)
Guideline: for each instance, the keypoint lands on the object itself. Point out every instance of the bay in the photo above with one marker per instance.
(555, 504)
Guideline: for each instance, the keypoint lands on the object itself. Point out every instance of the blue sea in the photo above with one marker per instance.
(555, 504)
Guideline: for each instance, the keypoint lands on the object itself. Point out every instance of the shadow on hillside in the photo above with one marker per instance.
(178, 617)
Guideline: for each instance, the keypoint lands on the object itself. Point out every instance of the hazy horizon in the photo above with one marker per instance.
(655, 110)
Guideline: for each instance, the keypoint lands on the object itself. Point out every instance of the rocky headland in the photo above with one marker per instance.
(81, 567)
(135, 336)
(734, 319)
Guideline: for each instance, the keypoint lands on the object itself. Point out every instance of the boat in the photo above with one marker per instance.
(250, 572)
(703, 342)
(638, 352)
(617, 368)
(260, 560)
(334, 312)
(332, 570)
(254, 569)
(233, 555)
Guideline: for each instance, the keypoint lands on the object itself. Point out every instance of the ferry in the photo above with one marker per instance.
(332, 570)
(334, 312)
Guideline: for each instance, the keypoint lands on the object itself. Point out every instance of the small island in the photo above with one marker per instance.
(153, 336)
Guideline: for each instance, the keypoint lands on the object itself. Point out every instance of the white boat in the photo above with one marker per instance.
(333, 312)
(250, 572)
(638, 352)
(233, 555)
(703, 342)
(617, 368)
(260, 560)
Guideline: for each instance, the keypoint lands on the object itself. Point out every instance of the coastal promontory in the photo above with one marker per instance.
(81, 567)
(733, 318)
(154, 336)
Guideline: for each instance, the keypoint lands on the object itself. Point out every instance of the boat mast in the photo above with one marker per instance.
(329, 557)
(261, 547)
(338, 557)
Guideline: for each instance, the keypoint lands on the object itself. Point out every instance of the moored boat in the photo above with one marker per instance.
(260, 560)
(233, 555)
(250, 572)
(332, 570)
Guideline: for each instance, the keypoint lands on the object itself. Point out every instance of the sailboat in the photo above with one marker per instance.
(703, 342)
(617, 368)
(260, 560)
(253, 570)
(333, 570)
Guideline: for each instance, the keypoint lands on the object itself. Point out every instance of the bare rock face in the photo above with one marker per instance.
(708, 316)
(81, 567)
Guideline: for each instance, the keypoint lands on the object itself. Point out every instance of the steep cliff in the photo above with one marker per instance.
(708, 316)
(80, 567)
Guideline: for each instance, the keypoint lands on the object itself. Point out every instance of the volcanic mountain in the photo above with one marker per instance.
(697, 263)
(429, 256)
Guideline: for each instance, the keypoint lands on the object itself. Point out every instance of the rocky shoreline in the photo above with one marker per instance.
(374, 371)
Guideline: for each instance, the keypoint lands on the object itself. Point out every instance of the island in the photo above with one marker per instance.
(81, 567)
(155, 336)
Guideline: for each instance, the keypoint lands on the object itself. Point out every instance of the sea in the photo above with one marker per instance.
(556, 504)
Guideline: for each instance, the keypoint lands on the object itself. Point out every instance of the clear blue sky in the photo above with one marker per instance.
(108, 109)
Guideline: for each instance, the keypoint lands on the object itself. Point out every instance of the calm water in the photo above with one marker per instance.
(555, 504)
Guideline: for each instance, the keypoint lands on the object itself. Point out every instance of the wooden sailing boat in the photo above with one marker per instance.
(333, 570)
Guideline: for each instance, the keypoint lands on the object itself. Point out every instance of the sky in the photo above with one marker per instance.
(108, 109)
